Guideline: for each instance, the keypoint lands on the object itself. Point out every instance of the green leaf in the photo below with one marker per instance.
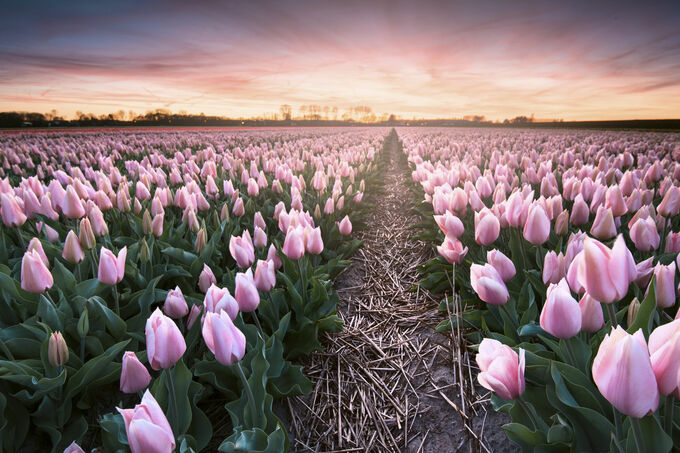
(655, 439)
(643, 319)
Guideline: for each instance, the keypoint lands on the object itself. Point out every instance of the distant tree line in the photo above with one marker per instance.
(308, 115)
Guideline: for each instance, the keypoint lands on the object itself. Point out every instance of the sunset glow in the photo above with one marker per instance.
(613, 60)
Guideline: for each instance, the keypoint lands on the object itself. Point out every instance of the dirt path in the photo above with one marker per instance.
(387, 383)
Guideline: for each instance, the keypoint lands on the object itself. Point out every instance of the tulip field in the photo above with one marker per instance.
(164, 289)
(557, 264)
(159, 288)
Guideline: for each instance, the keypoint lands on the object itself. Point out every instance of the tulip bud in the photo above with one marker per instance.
(57, 351)
(317, 212)
(592, 317)
(199, 244)
(86, 235)
(146, 222)
(293, 244)
(157, 224)
(144, 253)
(83, 324)
(147, 428)
(537, 226)
(503, 264)
(175, 305)
(664, 348)
(633, 309)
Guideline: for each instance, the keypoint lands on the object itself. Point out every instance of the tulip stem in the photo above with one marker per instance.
(668, 415)
(570, 352)
(617, 423)
(22, 243)
(637, 434)
(257, 321)
(82, 349)
(172, 400)
(528, 411)
(662, 246)
(611, 312)
(116, 300)
(249, 393)
(47, 294)
(521, 246)
(302, 282)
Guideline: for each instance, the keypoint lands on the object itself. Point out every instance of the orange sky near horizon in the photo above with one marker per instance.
(614, 60)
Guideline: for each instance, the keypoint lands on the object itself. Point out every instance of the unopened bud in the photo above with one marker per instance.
(633, 309)
(147, 226)
(85, 234)
(144, 253)
(57, 351)
(199, 245)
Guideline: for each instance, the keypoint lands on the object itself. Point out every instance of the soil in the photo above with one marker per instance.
(388, 382)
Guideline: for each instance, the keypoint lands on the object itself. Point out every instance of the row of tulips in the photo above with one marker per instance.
(560, 248)
(180, 273)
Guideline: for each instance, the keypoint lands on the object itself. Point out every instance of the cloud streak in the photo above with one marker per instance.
(430, 59)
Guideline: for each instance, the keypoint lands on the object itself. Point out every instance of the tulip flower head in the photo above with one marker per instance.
(501, 369)
(147, 428)
(622, 371)
(165, 344)
(134, 377)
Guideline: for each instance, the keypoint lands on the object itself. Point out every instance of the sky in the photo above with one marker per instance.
(575, 60)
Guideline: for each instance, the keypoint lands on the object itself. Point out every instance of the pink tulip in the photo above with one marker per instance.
(537, 226)
(487, 227)
(665, 285)
(12, 214)
(35, 276)
(579, 211)
(74, 448)
(223, 338)
(623, 373)
(242, 250)
(238, 209)
(450, 225)
(313, 241)
(111, 267)
(99, 227)
(57, 350)
(670, 205)
(273, 256)
(562, 223)
(259, 238)
(592, 316)
(175, 305)
(206, 279)
(503, 264)
(258, 221)
(672, 243)
(553, 267)
(72, 207)
(488, 284)
(294, 244)
(345, 226)
(245, 292)
(147, 428)
(157, 224)
(645, 235)
(164, 342)
(606, 273)
(36, 245)
(604, 226)
(664, 349)
(265, 275)
(86, 235)
(501, 369)
(72, 252)
(561, 315)
(643, 272)
(193, 315)
(134, 377)
(218, 299)
(452, 250)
